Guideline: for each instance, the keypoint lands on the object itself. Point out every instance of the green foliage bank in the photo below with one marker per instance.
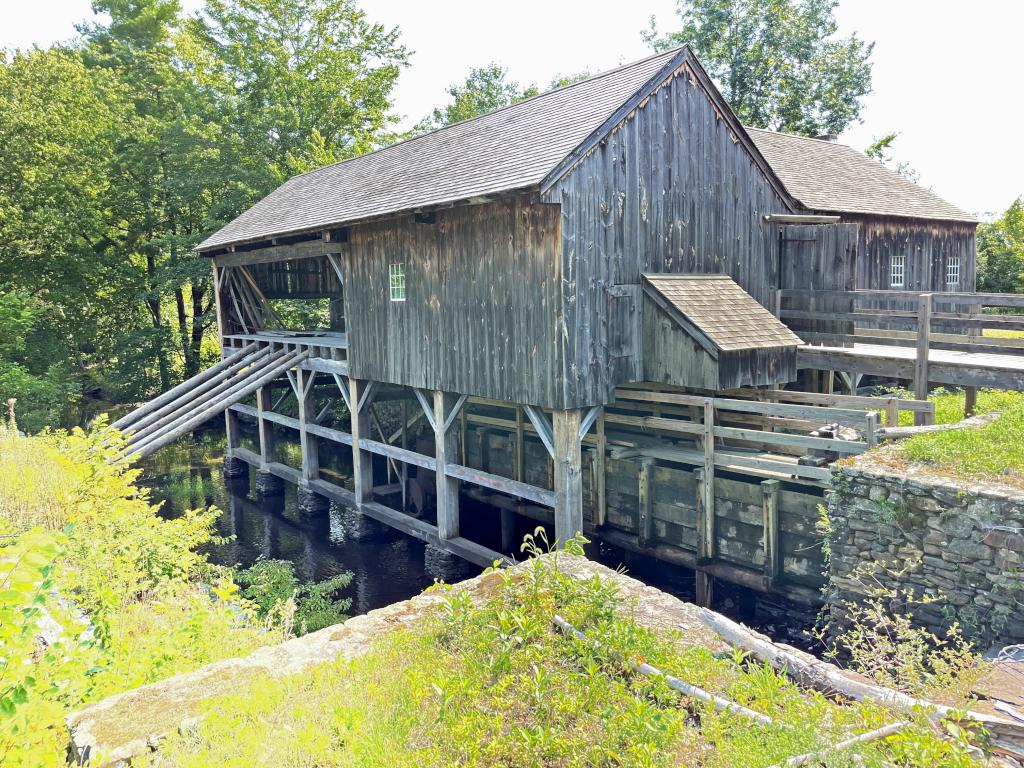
(98, 594)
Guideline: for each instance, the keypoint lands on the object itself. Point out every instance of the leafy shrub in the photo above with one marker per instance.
(274, 588)
(98, 594)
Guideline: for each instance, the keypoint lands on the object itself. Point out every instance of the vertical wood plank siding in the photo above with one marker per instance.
(670, 190)
(482, 298)
(926, 245)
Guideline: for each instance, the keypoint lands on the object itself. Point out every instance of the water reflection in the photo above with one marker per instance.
(385, 568)
(388, 566)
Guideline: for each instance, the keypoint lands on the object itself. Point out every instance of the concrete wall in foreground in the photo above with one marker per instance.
(960, 543)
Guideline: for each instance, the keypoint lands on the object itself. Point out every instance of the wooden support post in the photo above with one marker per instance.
(871, 428)
(508, 532)
(974, 335)
(970, 401)
(924, 329)
(517, 473)
(645, 520)
(705, 541)
(264, 395)
(404, 443)
(708, 495)
(232, 432)
(568, 459)
(362, 461)
(772, 555)
(446, 446)
(601, 470)
(307, 416)
(828, 383)
(892, 412)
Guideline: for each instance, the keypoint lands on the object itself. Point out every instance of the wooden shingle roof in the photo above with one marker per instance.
(714, 307)
(834, 178)
(510, 149)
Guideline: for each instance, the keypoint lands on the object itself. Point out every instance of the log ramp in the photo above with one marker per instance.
(202, 397)
(124, 726)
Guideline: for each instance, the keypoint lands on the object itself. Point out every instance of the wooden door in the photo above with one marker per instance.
(819, 257)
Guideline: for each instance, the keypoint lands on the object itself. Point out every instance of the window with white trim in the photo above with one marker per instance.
(897, 271)
(396, 281)
(952, 271)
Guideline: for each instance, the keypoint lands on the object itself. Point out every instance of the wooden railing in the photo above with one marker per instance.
(756, 437)
(924, 321)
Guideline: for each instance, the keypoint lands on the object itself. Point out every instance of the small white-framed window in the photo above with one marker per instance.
(396, 281)
(897, 271)
(952, 271)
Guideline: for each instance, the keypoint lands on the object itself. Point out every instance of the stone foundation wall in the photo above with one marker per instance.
(960, 543)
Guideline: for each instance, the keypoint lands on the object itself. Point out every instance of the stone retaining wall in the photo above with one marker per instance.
(913, 530)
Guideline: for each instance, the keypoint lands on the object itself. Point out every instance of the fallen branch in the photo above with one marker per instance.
(901, 433)
(1005, 734)
(720, 704)
(876, 735)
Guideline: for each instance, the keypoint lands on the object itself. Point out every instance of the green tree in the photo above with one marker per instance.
(300, 83)
(63, 276)
(161, 171)
(484, 90)
(1001, 252)
(779, 63)
(881, 150)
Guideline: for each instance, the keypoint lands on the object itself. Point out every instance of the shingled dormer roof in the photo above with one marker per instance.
(510, 149)
(833, 178)
(718, 313)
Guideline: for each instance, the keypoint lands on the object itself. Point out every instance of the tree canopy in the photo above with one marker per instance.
(1001, 252)
(169, 126)
(779, 63)
(484, 90)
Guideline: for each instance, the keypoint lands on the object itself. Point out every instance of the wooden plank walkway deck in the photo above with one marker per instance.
(969, 369)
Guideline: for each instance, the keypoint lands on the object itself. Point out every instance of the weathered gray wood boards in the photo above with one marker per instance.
(482, 302)
(933, 337)
(671, 186)
(705, 332)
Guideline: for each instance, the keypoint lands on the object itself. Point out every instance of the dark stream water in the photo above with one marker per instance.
(391, 566)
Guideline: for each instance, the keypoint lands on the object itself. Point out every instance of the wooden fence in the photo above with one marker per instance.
(909, 319)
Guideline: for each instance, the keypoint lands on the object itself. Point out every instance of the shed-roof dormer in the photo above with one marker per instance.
(706, 332)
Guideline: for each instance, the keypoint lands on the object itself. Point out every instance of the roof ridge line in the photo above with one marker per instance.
(411, 139)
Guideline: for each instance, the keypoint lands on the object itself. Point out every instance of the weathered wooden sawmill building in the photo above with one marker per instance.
(577, 296)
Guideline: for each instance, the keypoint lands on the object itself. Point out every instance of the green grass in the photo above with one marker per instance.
(995, 333)
(495, 684)
(949, 404)
(993, 451)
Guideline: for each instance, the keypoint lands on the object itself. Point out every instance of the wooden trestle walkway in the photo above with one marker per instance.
(900, 334)
(722, 485)
(713, 483)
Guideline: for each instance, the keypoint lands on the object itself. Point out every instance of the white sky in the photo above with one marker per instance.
(946, 75)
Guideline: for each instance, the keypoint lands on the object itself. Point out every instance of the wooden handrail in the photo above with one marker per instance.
(982, 299)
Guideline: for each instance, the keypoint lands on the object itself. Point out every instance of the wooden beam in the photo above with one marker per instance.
(307, 416)
(924, 329)
(772, 552)
(708, 476)
(446, 452)
(645, 520)
(427, 406)
(266, 430)
(502, 484)
(362, 463)
(601, 469)
(568, 473)
(542, 426)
